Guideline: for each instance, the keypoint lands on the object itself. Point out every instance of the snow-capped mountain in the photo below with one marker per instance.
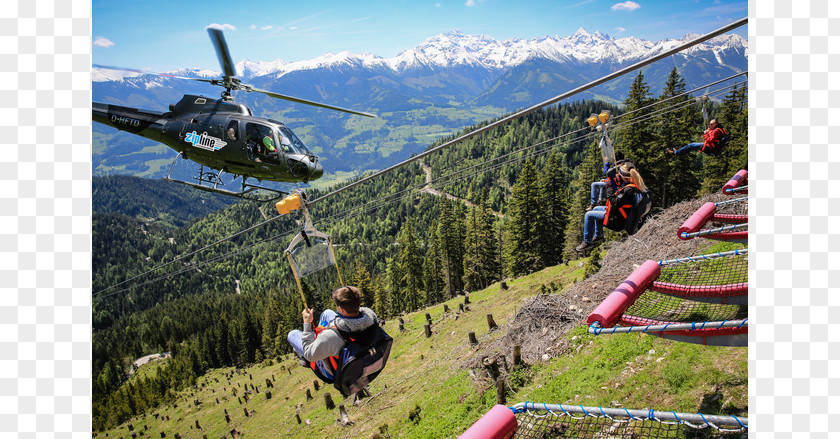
(447, 82)
(454, 49)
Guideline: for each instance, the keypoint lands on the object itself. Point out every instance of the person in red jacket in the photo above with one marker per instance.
(711, 140)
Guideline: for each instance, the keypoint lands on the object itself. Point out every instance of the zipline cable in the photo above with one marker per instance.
(399, 196)
(553, 100)
(476, 132)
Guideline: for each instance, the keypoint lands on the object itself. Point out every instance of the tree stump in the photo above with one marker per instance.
(500, 391)
(268, 383)
(490, 322)
(345, 420)
(162, 434)
(460, 307)
(445, 308)
(217, 400)
(267, 394)
(245, 409)
(492, 367)
(297, 417)
(196, 425)
(428, 329)
(316, 385)
(308, 395)
(328, 401)
(503, 286)
(466, 298)
(517, 355)
(471, 335)
(429, 318)
(227, 418)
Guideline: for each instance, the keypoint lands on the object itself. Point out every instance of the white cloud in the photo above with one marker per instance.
(102, 42)
(253, 26)
(437, 5)
(620, 29)
(221, 26)
(626, 6)
(293, 27)
(470, 3)
(266, 27)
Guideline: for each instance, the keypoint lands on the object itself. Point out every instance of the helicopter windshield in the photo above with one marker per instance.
(292, 141)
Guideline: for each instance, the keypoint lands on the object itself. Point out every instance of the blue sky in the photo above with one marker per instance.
(162, 35)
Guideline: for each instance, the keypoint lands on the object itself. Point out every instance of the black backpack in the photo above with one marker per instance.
(642, 209)
(363, 358)
(619, 207)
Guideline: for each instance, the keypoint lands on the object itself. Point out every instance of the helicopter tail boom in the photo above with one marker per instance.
(144, 123)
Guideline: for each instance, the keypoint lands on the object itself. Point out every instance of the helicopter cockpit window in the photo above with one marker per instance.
(261, 140)
(233, 130)
(294, 143)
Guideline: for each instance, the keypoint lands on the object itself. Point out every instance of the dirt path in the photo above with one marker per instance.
(428, 170)
(143, 360)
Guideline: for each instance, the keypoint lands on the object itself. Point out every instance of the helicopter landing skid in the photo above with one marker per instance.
(249, 191)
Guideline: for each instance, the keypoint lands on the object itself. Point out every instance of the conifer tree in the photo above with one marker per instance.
(381, 299)
(551, 218)
(270, 323)
(450, 244)
(411, 267)
(488, 244)
(472, 258)
(394, 302)
(433, 273)
(522, 251)
(360, 278)
(637, 139)
(675, 177)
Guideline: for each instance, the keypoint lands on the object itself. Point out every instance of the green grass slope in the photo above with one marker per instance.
(431, 387)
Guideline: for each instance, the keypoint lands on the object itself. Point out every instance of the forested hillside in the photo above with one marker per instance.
(404, 248)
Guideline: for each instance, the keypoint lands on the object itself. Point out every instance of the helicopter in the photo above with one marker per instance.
(223, 135)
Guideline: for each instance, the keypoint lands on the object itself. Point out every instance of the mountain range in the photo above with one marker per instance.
(447, 82)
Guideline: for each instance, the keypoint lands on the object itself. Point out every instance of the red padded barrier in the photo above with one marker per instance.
(498, 423)
(738, 289)
(730, 218)
(728, 236)
(610, 310)
(737, 180)
(697, 220)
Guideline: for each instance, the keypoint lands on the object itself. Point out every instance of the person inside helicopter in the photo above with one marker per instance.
(260, 141)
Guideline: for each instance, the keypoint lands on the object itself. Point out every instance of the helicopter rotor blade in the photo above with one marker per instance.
(219, 43)
(142, 72)
(304, 101)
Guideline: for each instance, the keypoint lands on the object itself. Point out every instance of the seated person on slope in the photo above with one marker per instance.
(631, 185)
(602, 189)
(319, 347)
